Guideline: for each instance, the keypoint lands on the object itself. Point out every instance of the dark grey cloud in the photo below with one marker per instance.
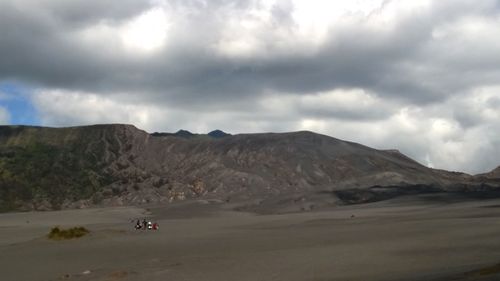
(39, 45)
(73, 14)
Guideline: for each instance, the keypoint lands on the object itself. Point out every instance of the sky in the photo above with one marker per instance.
(419, 76)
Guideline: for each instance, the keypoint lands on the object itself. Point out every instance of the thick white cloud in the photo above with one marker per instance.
(420, 76)
(65, 108)
(4, 113)
(142, 35)
(4, 116)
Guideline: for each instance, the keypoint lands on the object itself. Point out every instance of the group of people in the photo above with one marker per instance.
(146, 225)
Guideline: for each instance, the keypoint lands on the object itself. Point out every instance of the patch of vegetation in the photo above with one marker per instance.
(64, 234)
(41, 171)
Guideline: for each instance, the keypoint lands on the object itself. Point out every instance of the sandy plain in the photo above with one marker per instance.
(431, 237)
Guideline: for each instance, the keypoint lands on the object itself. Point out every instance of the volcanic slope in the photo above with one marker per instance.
(53, 168)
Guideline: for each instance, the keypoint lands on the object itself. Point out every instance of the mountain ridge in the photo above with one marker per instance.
(119, 164)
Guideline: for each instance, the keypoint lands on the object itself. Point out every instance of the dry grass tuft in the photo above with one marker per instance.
(64, 234)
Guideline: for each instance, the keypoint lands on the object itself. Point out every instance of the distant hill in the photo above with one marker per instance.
(492, 175)
(218, 134)
(495, 173)
(52, 168)
(188, 134)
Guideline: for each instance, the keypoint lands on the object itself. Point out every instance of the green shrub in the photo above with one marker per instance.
(63, 234)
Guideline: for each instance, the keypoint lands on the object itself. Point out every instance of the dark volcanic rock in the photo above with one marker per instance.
(73, 167)
(184, 134)
(218, 134)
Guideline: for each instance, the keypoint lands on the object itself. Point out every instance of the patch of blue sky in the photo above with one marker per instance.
(15, 98)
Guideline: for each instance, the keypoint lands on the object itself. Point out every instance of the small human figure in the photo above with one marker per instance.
(150, 225)
(155, 226)
(138, 224)
(144, 224)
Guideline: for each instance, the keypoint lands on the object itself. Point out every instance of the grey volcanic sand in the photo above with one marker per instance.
(411, 238)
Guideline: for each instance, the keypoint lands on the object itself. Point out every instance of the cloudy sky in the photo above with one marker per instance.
(419, 76)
